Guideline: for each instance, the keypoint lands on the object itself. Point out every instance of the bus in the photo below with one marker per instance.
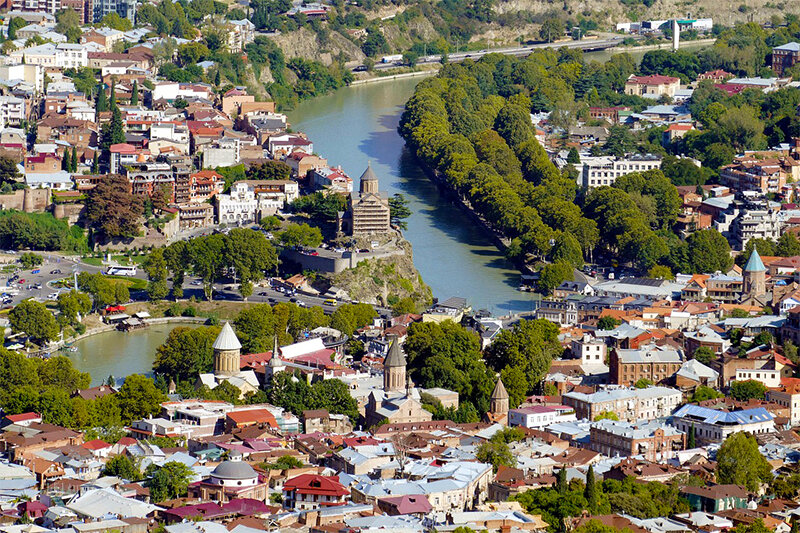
(121, 271)
(330, 301)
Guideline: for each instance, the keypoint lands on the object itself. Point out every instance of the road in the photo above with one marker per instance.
(57, 267)
(585, 44)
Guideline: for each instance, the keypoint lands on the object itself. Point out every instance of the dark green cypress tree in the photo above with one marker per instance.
(217, 78)
(135, 93)
(690, 442)
(112, 101)
(101, 104)
(95, 165)
(74, 159)
(117, 129)
(66, 164)
(591, 490)
(561, 481)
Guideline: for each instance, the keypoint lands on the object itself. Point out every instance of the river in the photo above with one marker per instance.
(119, 354)
(357, 125)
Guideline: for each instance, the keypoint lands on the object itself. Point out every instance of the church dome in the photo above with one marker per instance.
(226, 340)
(235, 470)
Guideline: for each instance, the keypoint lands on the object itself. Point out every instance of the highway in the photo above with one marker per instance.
(585, 44)
(57, 267)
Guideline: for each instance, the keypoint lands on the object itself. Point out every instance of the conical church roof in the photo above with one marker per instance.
(755, 264)
(226, 340)
(369, 174)
(499, 392)
(395, 357)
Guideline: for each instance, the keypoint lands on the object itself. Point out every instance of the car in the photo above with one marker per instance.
(196, 282)
(271, 300)
(301, 303)
(52, 296)
(315, 253)
(293, 300)
(21, 281)
(263, 293)
(56, 271)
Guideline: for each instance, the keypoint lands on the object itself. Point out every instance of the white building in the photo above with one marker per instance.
(250, 200)
(710, 425)
(540, 416)
(787, 396)
(769, 377)
(12, 111)
(627, 403)
(63, 55)
(756, 224)
(591, 351)
(242, 32)
(604, 170)
(171, 90)
(30, 74)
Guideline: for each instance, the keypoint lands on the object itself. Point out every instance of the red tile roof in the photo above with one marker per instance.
(253, 416)
(653, 80)
(316, 484)
(23, 417)
(95, 444)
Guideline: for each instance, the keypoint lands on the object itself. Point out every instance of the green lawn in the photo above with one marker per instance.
(119, 259)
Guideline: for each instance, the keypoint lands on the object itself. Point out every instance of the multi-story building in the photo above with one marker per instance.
(652, 86)
(713, 426)
(149, 179)
(628, 404)
(759, 175)
(240, 34)
(332, 179)
(249, 200)
(123, 8)
(191, 216)
(785, 56)
(62, 55)
(787, 394)
(540, 416)
(590, 351)
(313, 491)
(39, 6)
(604, 170)
(12, 111)
(653, 363)
(756, 224)
(655, 441)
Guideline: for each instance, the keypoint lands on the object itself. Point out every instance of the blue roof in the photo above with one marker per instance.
(792, 47)
(754, 264)
(712, 416)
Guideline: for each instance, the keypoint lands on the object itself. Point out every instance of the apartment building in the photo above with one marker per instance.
(590, 351)
(653, 363)
(713, 426)
(62, 55)
(249, 200)
(628, 404)
(604, 170)
(654, 440)
(652, 86)
(760, 175)
(12, 111)
(787, 394)
(784, 57)
(540, 416)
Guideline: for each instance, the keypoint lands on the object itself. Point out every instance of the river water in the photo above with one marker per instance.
(119, 354)
(357, 125)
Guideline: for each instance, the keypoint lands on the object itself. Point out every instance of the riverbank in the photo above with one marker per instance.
(392, 77)
(660, 46)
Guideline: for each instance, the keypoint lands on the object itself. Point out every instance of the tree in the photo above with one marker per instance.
(33, 318)
(747, 390)
(704, 355)
(606, 415)
(567, 249)
(101, 102)
(709, 251)
(112, 210)
(74, 159)
(643, 383)
(554, 274)
(788, 245)
(135, 93)
(15, 24)
(71, 305)
(169, 481)
(573, 157)
(661, 272)
(561, 481)
(112, 132)
(552, 29)
(741, 128)
(29, 260)
(269, 170)
(496, 454)
(399, 211)
(123, 467)
(66, 163)
(300, 235)
(9, 173)
(740, 462)
(607, 323)
(186, 353)
(590, 493)
(67, 19)
(139, 398)
(114, 21)
(691, 441)
(156, 267)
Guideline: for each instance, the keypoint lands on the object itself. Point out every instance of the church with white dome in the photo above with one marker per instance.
(227, 364)
(231, 479)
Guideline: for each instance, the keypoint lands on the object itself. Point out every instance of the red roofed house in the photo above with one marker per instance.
(204, 185)
(676, 131)
(249, 417)
(332, 179)
(303, 163)
(279, 145)
(22, 419)
(99, 448)
(652, 85)
(416, 504)
(42, 164)
(312, 491)
(122, 154)
(717, 76)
